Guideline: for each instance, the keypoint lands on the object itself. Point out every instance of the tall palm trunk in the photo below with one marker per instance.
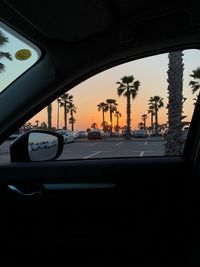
(103, 117)
(145, 123)
(65, 116)
(156, 120)
(49, 114)
(111, 122)
(72, 116)
(174, 141)
(128, 111)
(152, 120)
(117, 123)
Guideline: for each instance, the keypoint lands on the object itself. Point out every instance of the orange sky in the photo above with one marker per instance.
(151, 72)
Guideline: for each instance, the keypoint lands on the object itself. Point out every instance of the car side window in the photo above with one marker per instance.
(126, 111)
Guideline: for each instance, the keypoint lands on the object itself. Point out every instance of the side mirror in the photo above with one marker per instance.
(36, 145)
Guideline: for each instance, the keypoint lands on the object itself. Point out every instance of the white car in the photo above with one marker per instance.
(68, 136)
(82, 134)
(33, 147)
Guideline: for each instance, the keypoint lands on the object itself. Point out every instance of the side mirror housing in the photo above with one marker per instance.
(36, 145)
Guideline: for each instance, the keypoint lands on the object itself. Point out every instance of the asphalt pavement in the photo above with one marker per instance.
(116, 147)
(109, 148)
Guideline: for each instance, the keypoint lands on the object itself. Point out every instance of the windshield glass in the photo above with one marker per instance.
(17, 54)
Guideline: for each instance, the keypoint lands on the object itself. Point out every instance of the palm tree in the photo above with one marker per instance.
(37, 123)
(112, 106)
(58, 112)
(174, 140)
(141, 125)
(49, 116)
(144, 118)
(155, 103)
(106, 127)
(94, 125)
(72, 120)
(129, 88)
(152, 112)
(195, 84)
(102, 106)
(117, 115)
(43, 125)
(66, 101)
(3, 41)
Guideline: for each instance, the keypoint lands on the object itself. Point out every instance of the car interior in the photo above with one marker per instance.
(112, 211)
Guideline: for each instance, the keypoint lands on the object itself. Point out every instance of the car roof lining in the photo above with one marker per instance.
(78, 20)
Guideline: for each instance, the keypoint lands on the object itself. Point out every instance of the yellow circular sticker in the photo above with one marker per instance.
(23, 54)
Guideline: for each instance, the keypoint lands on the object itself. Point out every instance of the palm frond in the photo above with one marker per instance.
(5, 55)
(102, 106)
(134, 94)
(111, 101)
(3, 39)
(120, 91)
(127, 79)
(136, 84)
(120, 83)
(196, 73)
(2, 67)
(195, 86)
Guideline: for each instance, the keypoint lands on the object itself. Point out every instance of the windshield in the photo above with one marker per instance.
(17, 54)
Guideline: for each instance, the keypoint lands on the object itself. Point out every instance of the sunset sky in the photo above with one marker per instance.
(151, 72)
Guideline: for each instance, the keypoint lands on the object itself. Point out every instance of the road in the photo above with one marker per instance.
(116, 147)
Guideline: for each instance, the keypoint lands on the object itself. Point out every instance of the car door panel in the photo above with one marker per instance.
(102, 215)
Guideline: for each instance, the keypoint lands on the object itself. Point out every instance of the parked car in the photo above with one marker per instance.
(67, 135)
(131, 132)
(82, 134)
(95, 135)
(116, 134)
(140, 133)
(113, 211)
(75, 133)
(33, 147)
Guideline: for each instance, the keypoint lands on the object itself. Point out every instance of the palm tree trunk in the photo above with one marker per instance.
(152, 120)
(117, 124)
(111, 122)
(103, 117)
(128, 132)
(72, 116)
(65, 116)
(156, 121)
(174, 142)
(49, 114)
